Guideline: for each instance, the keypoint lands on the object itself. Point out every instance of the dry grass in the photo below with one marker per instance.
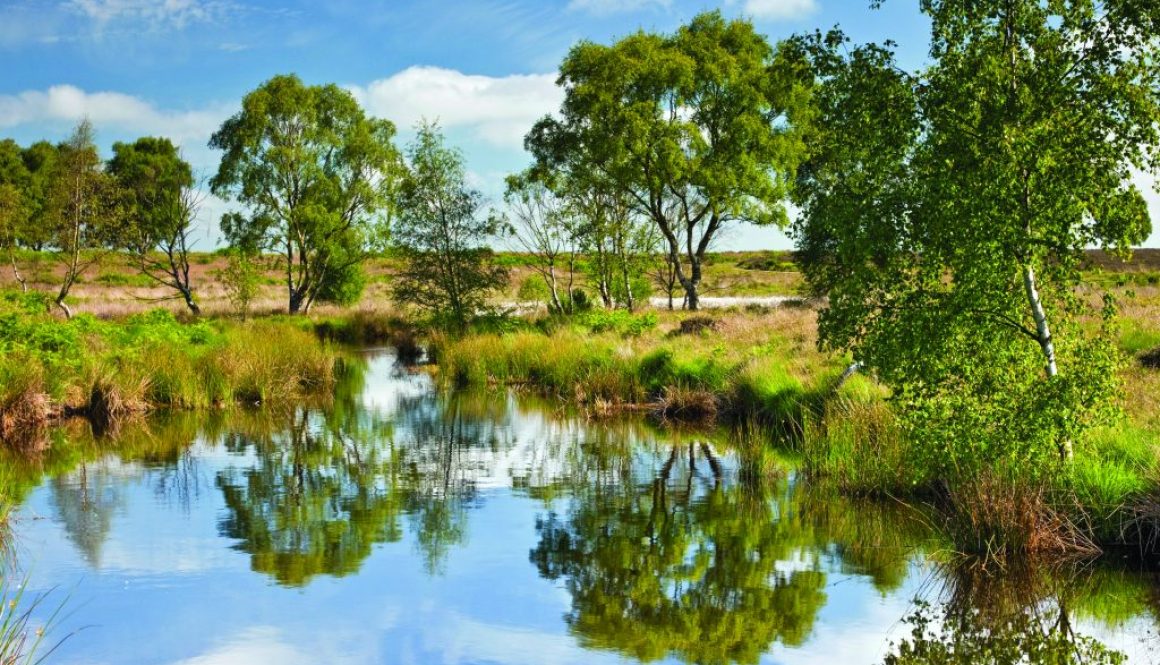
(994, 516)
(681, 404)
(25, 410)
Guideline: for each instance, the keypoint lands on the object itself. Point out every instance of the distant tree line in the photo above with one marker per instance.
(65, 200)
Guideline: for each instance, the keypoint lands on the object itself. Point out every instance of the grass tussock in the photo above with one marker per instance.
(112, 370)
(994, 515)
(24, 408)
(682, 404)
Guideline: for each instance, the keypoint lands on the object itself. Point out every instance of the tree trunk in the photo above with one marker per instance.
(629, 300)
(64, 308)
(692, 299)
(605, 293)
(1042, 332)
(1043, 335)
(554, 291)
(189, 302)
(16, 273)
(850, 371)
(296, 301)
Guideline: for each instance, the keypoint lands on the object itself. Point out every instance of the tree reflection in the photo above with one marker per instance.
(317, 495)
(1024, 612)
(311, 503)
(969, 636)
(684, 565)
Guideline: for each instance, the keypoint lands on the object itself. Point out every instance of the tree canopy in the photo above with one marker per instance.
(441, 233)
(690, 127)
(945, 212)
(315, 174)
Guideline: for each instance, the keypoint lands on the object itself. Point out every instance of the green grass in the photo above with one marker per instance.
(847, 437)
(124, 279)
(146, 361)
(1139, 336)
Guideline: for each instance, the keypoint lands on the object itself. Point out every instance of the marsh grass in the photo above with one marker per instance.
(109, 371)
(24, 641)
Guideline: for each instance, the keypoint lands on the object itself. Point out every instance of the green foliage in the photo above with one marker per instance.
(618, 321)
(533, 289)
(344, 285)
(685, 129)
(946, 212)
(440, 233)
(316, 175)
(241, 278)
(152, 176)
(969, 637)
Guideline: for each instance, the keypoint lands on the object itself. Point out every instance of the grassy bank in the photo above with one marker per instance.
(104, 370)
(762, 368)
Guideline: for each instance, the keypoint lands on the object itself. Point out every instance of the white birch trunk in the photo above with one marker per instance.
(1042, 332)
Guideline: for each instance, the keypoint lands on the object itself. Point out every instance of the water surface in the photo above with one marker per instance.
(401, 525)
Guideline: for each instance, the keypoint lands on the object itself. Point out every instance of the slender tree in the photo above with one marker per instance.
(161, 206)
(14, 213)
(13, 216)
(440, 234)
(945, 212)
(82, 210)
(699, 117)
(316, 175)
(546, 228)
(617, 242)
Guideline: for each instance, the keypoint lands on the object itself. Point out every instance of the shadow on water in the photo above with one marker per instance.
(664, 548)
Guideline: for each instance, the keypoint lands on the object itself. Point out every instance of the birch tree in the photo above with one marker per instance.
(448, 270)
(945, 212)
(545, 227)
(82, 211)
(14, 208)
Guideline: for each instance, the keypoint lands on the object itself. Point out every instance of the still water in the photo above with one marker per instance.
(402, 525)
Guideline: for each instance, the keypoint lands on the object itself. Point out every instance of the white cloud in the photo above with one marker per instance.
(261, 644)
(499, 110)
(601, 7)
(115, 110)
(157, 13)
(780, 9)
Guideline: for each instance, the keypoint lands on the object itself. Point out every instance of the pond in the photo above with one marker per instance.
(399, 524)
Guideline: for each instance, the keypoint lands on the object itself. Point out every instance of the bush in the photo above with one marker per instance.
(618, 321)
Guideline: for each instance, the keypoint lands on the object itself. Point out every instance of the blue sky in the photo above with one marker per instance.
(484, 68)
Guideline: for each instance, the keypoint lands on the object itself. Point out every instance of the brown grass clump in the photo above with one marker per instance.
(695, 325)
(686, 405)
(25, 411)
(993, 516)
(24, 420)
